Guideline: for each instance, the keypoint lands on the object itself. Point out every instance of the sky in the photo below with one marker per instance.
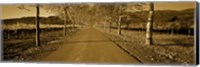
(174, 5)
(11, 11)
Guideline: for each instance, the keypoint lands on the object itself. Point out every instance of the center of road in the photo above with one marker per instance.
(90, 46)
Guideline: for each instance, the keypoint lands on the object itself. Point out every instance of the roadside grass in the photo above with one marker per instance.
(167, 48)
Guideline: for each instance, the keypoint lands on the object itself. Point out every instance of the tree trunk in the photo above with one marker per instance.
(65, 22)
(109, 26)
(172, 31)
(177, 31)
(169, 31)
(9, 35)
(104, 26)
(74, 23)
(119, 25)
(37, 26)
(150, 25)
(189, 32)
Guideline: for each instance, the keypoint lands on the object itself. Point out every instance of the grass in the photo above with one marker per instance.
(167, 48)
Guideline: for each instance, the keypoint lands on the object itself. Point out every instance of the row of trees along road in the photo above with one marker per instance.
(115, 13)
(82, 13)
(69, 13)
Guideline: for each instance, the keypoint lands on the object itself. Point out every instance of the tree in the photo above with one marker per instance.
(120, 9)
(62, 11)
(107, 13)
(65, 20)
(110, 13)
(73, 13)
(37, 23)
(149, 25)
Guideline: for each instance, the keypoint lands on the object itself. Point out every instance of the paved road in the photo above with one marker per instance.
(90, 46)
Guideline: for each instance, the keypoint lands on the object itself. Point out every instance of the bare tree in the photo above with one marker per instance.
(72, 17)
(62, 11)
(149, 25)
(37, 22)
(121, 9)
(119, 25)
(119, 19)
(65, 20)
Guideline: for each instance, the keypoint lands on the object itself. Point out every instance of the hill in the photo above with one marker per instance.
(31, 20)
(162, 19)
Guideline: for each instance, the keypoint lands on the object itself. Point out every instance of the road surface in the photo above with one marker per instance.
(90, 46)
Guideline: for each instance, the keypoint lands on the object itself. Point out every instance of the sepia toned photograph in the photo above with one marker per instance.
(158, 33)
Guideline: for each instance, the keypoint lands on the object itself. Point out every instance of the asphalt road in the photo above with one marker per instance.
(90, 46)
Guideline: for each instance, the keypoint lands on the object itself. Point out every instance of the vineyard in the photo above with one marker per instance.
(21, 30)
(20, 38)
